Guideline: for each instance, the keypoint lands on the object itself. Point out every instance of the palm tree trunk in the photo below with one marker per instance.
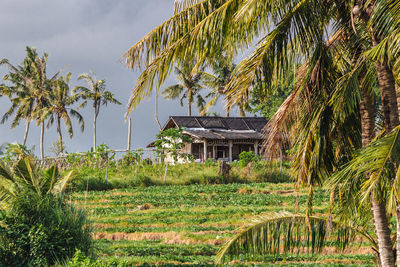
(242, 112)
(59, 132)
(388, 94)
(379, 215)
(41, 142)
(129, 134)
(94, 129)
(28, 122)
(398, 97)
(156, 112)
(190, 102)
(390, 112)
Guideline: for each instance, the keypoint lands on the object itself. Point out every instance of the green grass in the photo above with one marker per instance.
(183, 174)
(186, 224)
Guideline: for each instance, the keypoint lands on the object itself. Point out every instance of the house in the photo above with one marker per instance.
(220, 138)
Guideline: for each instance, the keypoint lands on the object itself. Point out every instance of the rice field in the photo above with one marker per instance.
(186, 224)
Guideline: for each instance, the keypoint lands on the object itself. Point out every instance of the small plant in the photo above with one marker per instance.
(248, 156)
(132, 157)
(57, 148)
(14, 152)
(171, 141)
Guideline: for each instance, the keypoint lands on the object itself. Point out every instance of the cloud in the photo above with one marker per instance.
(84, 35)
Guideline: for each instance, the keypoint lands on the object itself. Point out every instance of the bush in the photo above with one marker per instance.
(248, 156)
(41, 231)
(36, 226)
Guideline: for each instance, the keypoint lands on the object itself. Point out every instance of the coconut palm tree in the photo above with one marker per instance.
(223, 69)
(19, 77)
(30, 91)
(96, 92)
(188, 87)
(205, 29)
(59, 108)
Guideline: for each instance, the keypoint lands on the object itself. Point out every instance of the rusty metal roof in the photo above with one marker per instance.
(223, 123)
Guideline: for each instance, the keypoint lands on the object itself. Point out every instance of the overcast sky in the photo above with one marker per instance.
(84, 35)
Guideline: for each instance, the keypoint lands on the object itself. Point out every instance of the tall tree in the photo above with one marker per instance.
(204, 29)
(59, 107)
(223, 70)
(96, 92)
(18, 92)
(30, 91)
(188, 87)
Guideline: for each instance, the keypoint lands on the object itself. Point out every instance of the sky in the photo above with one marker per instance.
(83, 35)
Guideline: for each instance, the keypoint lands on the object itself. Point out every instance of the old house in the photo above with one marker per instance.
(220, 138)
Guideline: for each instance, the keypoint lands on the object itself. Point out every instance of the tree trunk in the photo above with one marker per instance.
(382, 231)
(388, 95)
(190, 102)
(41, 142)
(28, 122)
(59, 132)
(367, 111)
(94, 130)
(156, 112)
(391, 120)
(242, 112)
(398, 97)
(381, 224)
(129, 134)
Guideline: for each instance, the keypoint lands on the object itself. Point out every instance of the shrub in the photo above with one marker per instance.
(36, 226)
(41, 231)
(248, 156)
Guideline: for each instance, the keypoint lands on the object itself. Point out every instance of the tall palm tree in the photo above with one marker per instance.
(96, 92)
(188, 87)
(223, 70)
(30, 91)
(59, 108)
(19, 77)
(205, 29)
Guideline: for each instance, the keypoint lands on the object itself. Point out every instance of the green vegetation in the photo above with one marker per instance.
(187, 224)
(37, 226)
(346, 57)
(120, 176)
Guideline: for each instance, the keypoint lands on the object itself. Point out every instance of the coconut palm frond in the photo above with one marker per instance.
(378, 162)
(280, 234)
(173, 92)
(180, 5)
(60, 186)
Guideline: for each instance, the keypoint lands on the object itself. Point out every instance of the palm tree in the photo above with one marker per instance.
(188, 87)
(223, 70)
(26, 175)
(205, 29)
(19, 77)
(59, 108)
(30, 91)
(96, 92)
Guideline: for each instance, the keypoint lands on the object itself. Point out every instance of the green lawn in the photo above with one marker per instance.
(186, 224)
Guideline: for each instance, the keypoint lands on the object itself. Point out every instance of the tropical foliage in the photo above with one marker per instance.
(37, 227)
(189, 86)
(343, 55)
(97, 93)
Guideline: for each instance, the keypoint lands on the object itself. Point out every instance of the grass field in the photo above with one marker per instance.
(186, 224)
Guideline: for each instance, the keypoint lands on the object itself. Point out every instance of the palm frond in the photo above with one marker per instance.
(280, 234)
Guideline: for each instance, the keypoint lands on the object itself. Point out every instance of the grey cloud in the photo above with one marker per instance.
(87, 34)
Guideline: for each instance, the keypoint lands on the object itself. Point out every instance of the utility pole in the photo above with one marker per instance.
(129, 134)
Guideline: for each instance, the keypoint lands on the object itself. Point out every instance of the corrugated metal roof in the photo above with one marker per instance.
(225, 123)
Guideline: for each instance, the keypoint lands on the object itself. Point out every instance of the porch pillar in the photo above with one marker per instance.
(230, 150)
(213, 152)
(205, 149)
(256, 147)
